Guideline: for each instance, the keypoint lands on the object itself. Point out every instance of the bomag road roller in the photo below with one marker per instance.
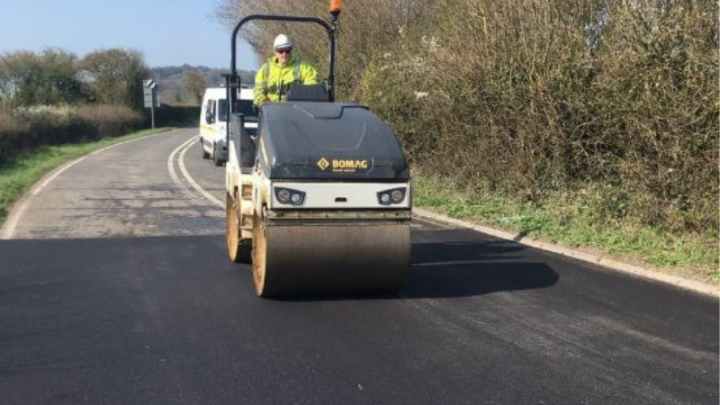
(318, 199)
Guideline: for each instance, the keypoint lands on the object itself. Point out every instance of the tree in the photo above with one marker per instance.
(195, 86)
(48, 78)
(60, 81)
(117, 76)
(17, 70)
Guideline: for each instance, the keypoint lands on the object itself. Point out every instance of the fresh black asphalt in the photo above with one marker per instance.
(165, 319)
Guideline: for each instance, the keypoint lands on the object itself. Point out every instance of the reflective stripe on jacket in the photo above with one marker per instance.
(271, 79)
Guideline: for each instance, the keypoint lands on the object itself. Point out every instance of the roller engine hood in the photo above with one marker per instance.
(333, 141)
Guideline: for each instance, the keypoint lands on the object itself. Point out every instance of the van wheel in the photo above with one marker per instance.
(205, 155)
(217, 159)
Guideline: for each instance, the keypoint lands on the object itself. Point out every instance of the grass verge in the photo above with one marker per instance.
(19, 173)
(570, 219)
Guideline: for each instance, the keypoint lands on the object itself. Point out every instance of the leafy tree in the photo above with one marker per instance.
(117, 76)
(17, 71)
(48, 78)
(195, 86)
(60, 81)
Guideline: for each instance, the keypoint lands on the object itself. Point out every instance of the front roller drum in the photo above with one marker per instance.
(302, 260)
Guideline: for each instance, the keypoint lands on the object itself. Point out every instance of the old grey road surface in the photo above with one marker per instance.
(115, 289)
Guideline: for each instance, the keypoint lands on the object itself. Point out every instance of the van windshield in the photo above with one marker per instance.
(245, 107)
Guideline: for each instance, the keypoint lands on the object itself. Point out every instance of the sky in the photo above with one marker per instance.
(167, 32)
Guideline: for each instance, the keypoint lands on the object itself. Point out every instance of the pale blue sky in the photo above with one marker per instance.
(168, 32)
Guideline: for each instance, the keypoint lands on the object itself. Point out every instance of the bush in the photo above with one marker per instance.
(546, 96)
(26, 128)
(173, 116)
(109, 120)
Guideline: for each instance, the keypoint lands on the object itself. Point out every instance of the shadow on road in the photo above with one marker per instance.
(457, 263)
(460, 269)
(444, 264)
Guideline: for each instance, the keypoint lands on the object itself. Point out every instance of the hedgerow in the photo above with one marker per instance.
(525, 99)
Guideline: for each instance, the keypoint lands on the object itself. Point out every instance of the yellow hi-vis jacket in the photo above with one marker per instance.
(272, 79)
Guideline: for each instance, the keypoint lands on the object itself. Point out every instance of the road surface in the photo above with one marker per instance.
(115, 288)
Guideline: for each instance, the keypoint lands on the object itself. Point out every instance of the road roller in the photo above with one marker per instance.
(318, 198)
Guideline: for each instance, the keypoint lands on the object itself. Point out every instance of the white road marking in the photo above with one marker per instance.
(10, 226)
(193, 183)
(171, 168)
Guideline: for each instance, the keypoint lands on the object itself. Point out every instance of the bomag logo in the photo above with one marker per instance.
(349, 165)
(343, 165)
(323, 163)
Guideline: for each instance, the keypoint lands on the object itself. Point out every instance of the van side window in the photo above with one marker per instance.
(222, 109)
(209, 111)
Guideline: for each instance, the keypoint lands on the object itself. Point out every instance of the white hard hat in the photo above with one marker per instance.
(282, 42)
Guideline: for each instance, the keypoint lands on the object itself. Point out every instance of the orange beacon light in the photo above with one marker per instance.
(335, 7)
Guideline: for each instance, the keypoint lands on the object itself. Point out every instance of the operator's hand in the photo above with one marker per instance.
(265, 101)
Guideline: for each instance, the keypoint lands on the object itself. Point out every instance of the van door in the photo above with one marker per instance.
(207, 132)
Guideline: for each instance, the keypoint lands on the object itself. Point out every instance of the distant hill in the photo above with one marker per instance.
(171, 81)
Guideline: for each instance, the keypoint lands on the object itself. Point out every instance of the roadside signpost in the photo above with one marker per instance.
(151, 99)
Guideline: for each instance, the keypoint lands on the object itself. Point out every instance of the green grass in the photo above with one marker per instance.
(571, 219)
(19, 173)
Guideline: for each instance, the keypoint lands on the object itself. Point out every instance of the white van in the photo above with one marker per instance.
(213, 119)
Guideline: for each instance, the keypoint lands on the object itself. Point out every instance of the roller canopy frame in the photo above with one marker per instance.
(233, 80)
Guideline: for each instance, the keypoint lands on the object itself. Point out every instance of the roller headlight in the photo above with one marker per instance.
(393, 196)
(289, 196)
(283, 196)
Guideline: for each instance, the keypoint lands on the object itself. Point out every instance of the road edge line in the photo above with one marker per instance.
(173, 174)
(20, 206)
(193, 183)
(612, 264)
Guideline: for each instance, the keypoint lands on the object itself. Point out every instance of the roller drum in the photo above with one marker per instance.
(298, 260)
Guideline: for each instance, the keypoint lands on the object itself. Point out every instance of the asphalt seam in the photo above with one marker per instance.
(20, 206)
(599, 260)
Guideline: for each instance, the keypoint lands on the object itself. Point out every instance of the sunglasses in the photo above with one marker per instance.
(284, 50)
